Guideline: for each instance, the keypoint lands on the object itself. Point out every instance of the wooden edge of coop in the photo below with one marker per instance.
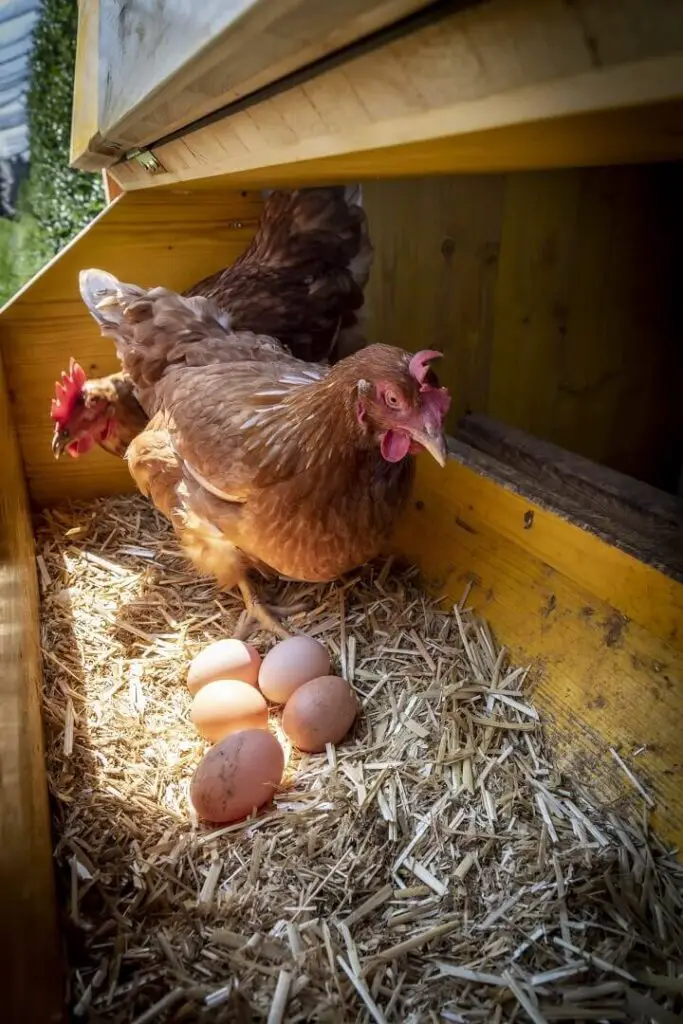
(593, 139)
(471, 78)
(27, 897)
(601, 629)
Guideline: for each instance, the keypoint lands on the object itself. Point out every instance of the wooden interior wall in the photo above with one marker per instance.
(554, 295)
(27, 908)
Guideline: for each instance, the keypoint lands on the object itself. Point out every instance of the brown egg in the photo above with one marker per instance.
(238, 774)
(289, 665)
(225, 706)
(319, 712)
(224, 659)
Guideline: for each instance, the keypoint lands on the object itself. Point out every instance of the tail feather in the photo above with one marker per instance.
(353, 194)
(145, 323)
(105, 296)
(156, 329)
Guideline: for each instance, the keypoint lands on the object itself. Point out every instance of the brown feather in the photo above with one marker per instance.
(302, 278)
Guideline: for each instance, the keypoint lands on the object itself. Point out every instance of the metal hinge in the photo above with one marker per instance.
(147, 160)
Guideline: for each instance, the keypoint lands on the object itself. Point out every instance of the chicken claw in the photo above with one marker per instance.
(258, 611)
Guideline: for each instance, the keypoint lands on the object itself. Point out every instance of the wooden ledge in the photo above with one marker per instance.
(602, 631)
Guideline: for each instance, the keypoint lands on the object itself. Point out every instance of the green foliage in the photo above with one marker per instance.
(22, 250)
(55, 202)
(61, 200)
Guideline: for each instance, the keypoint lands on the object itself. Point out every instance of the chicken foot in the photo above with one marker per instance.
(258, 611)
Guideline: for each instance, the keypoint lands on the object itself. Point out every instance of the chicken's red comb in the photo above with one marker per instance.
(66, 392)
(419, 364)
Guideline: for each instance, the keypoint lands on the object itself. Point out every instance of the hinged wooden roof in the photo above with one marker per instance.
(496, 86)
(146, 69)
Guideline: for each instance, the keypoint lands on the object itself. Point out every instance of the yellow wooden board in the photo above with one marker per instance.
(30, 955)
(595, 625)
(85, 111)
(614, 136)
(174, 242)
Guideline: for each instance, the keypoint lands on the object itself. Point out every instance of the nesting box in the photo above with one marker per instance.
(520, 175)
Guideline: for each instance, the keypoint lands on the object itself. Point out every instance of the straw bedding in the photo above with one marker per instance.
(433, 867)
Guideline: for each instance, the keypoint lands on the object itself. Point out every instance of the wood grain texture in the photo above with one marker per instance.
(174, 242)
(554, 297)
(204, 58)
(602, 633)
(31, 962)
(85, 118)
(586, 351)
(454, 95)
(433, 281)
(613, 136)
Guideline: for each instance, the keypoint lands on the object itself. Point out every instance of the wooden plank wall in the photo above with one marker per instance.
(31, 966)
(553, 294)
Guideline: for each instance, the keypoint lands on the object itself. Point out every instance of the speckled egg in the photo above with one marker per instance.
(224, 659)
(321, 711)
(225, 706)
(290, 664)
(239, 774)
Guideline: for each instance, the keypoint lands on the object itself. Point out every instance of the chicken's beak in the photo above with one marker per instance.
(433, 441)
(60, 440)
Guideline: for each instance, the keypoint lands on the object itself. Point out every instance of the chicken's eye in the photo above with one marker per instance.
(392, 399)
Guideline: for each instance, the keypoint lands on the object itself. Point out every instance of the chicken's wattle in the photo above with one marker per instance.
(395, 445)
(81, 446)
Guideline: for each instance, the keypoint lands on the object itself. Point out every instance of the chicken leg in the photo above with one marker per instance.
(268, 615)
(258, 611)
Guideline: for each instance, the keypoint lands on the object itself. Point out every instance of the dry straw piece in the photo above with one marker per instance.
(433, 867)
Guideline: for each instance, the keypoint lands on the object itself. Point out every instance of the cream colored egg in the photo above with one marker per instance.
(239, 774)
(289, 665)
(226, 706)
(321, 711)
(224, 659)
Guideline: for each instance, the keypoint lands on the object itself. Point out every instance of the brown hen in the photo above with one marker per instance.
(263, 460)
(301, 280)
